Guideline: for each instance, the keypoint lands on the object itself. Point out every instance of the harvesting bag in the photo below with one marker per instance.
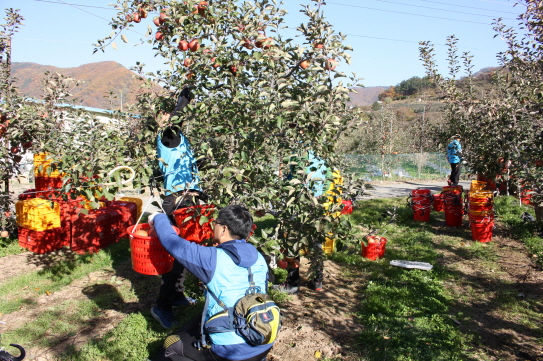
(254, 317)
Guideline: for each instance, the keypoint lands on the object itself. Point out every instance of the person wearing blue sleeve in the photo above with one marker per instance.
(223, 269)
(180, 180)
(454, 157)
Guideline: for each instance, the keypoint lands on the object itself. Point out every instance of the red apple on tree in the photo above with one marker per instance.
(183, 45)
(234, 70)
(159, 35)
(158, 21)
(267, 43)
(248, 44)
(331, 64)
(142, 12)
(318, 45)
(194, 45)
(137, 18)
(260, 40)
(188, 62)
(304, 64)
(202, 6)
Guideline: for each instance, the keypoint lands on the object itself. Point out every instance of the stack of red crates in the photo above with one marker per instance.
(83, 233)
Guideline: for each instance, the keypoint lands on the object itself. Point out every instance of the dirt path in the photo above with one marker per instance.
(403, 189)
(323, 321)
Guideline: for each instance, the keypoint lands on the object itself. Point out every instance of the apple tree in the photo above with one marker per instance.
(501, 128)
(10, 138)
(263, 102)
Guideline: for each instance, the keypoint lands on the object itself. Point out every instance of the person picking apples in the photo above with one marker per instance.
(180, 181)
(224, 271)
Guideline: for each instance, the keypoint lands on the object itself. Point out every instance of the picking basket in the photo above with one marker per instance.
(41, 165)
(149, 256)
(375, 249)
(477, 186)
(481, 227)
(438, 202)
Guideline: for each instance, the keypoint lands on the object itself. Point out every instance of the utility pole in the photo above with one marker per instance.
(121, 92)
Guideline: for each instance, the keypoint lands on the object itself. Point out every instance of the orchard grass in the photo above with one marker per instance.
(60, 274)
(415, 314)
(509, 211)
(10, 246)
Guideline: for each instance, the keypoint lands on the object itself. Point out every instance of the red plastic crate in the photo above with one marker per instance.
(28, 194)
(47, 187)
(42, 241)
(128, 212)
(69, 211)
(94, 231)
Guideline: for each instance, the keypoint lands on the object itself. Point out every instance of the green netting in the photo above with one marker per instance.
(399, 166)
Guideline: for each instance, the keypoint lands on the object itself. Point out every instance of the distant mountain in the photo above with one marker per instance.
(98, 80)
(366, 96)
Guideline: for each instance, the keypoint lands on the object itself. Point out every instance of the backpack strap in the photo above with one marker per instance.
(252, 287)
(203, 340)
(204, 312)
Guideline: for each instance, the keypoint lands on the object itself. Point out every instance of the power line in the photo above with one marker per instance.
(404, 13)
(63, 3)
(470, 7)
(409, 41)
(398, 40)
(429, 8)
(76, 6)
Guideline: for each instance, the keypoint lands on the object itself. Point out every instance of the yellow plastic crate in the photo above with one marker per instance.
(41, 164)
(138, 201)
(88, 206)
(38, 214)
(329, 246)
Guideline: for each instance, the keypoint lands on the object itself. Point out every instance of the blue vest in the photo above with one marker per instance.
(319, 171)
(180, 171)
(453, 151)
(229, 284)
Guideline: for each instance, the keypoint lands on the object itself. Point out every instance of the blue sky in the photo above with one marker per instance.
(383, 33)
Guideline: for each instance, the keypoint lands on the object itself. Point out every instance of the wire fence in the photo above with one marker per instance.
(428, 166)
